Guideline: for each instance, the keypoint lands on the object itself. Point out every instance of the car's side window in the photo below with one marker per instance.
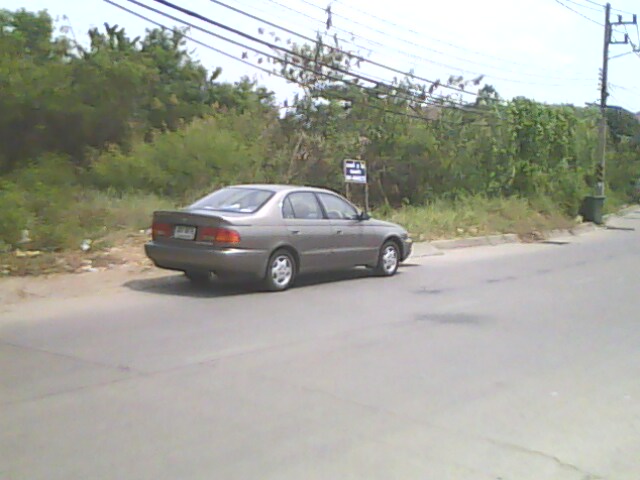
(287, 209)
(304, 206)
(337, 208)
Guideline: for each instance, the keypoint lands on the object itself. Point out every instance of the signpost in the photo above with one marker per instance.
(355, 171)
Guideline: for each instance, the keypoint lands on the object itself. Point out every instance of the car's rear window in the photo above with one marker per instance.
(237, 200)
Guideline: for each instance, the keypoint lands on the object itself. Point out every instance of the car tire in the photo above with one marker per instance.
(388, 259)
(198, 278)
(281, 271)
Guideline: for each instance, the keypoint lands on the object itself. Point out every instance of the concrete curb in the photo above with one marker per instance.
(437, 247)
(425, 249)
(476, 241)
(584, 228)
(621, 213)
(570, 232)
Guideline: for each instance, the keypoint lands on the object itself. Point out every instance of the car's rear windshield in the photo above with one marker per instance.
(237, 200)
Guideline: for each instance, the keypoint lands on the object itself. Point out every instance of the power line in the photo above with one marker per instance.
(406, 29)
(334, 97)
(440, 102)
(584, 6)
(634, 47)
(577, 12)
(377, 81)
(439, 52)
(191, 13)
(342, 40)
(446, 104)
(363, 59)
(603, 6)
(455, 46)
(423, 47)
(628, 90)
(631, 52)
(315, 41)
(217, 50)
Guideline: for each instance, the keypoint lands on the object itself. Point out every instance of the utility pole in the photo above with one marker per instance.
(602, 130)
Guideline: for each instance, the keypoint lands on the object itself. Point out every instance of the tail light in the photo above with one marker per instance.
(218, 235)
(160, 230)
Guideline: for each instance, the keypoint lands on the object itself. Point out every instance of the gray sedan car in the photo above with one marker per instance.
(273, 233)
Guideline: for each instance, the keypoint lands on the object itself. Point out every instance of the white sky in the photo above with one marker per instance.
(534, 48)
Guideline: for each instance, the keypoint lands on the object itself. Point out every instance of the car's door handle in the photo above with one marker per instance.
(339, 232)
(295, 232)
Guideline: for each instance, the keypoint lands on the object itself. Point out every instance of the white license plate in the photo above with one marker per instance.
(184, 232)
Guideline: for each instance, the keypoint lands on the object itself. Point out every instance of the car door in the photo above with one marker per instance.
(310, 232)
(347, 229)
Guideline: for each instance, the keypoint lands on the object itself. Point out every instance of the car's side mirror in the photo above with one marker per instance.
(364, 216)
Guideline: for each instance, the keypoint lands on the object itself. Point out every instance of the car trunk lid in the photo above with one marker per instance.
(197, 228)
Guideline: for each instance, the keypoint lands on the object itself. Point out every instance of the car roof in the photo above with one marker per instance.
(280, 187)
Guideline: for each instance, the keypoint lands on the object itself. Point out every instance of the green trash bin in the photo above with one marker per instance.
(591, 209)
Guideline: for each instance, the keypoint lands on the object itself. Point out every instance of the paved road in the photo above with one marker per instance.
(511, 362)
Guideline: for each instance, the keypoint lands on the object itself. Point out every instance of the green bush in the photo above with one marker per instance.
(15, 215)
(181, 165)
(41, 197)
(47, 201)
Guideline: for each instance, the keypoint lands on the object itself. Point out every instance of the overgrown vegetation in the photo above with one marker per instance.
(479, 215)
(93, 139)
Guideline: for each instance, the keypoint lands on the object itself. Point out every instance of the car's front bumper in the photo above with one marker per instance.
(407, 248)
(221, 262)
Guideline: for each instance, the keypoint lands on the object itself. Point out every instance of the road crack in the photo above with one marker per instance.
(557, 460)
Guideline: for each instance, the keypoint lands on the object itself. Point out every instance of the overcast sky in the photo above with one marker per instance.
(534, 48)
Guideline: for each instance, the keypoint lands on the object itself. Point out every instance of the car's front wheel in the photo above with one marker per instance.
(388, 259)
(281, 271)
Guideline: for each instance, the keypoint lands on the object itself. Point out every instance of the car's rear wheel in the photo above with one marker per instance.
(281, 271)
(388, 259)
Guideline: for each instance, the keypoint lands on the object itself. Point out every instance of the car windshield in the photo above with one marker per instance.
(239, 200)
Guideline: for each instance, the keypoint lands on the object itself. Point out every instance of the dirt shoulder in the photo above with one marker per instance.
(17, 290)
(73, 274)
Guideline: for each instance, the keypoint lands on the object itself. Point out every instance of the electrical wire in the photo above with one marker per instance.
(315, 41)
(603, 6)
(436, 101)
(428, 60)
(423, 47)
(626, 89)
(466, 108)
(273, 46)
(577, 12)
(405, 29)
(585, 6)
(634, 47)
(446, 103)
(363, 59)
(191, 39)
(247, 47)
(622, 55)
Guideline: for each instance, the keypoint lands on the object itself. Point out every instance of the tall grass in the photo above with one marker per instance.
(478, 215)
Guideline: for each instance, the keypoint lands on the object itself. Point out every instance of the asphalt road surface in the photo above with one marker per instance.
(513, 362)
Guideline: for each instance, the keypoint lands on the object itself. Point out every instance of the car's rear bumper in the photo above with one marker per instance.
(221, 262)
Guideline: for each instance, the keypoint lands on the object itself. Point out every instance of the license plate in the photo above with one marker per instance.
(184, 232)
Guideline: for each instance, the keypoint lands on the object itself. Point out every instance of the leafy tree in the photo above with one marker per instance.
(622, 124)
